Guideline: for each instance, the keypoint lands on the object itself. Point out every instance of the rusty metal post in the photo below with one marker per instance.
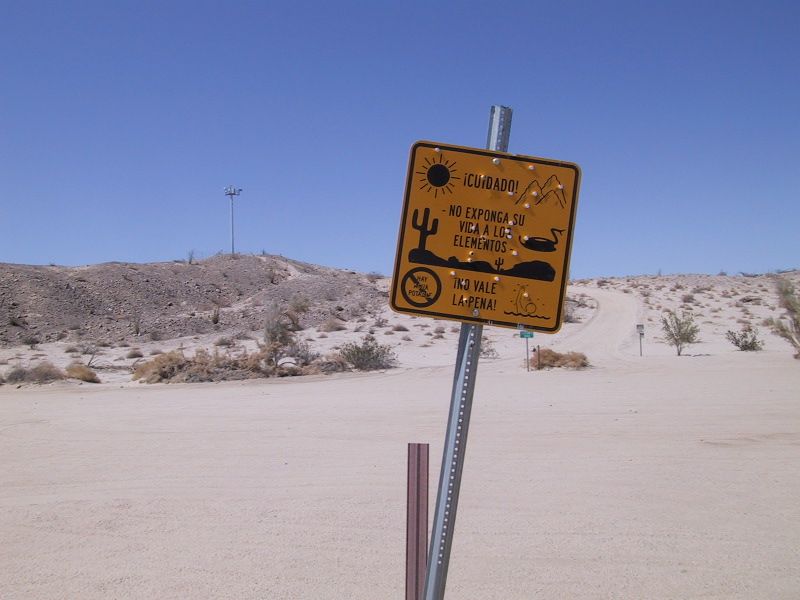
(417, 521)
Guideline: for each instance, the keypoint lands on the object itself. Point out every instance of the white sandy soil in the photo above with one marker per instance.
(641, 477)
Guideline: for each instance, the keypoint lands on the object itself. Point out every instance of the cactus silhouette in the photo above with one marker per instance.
(423, 229)
(499, 263)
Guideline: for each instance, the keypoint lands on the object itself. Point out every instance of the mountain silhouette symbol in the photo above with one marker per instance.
(549, 192)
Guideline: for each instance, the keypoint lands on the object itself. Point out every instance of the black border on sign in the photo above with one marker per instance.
(492, 154)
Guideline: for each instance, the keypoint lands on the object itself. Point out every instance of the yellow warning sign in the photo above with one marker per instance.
(485, 237)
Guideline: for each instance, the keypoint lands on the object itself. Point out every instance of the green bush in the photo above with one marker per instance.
(788, 326)
(369, 355)
(746, 340)
(679, 330)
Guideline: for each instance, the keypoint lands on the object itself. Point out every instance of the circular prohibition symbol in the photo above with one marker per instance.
(421, 287)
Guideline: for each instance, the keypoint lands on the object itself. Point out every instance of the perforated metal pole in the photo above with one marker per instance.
(455, 442)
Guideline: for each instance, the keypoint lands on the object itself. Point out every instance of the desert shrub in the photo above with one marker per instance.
(299, 304)
(70, 349)
(225, 341)
(80, 371)
(399, 327)
(332, 324)
(277, 327)
(746, 340)
(788, 325)
(439, 329)
(204, 366)
(2, 380)
(44, 372)
(31, 340)
(549, 359)
(380, 322)
(390, 332)
(301, 353)
(487, 348)
(687, 298)
(373, 276)
(406, 338)
(134, 353)
(679, 330)
(369, 355)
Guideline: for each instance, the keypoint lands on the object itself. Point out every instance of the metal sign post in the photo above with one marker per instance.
(527, 335)
(640, 330)
(455, 443)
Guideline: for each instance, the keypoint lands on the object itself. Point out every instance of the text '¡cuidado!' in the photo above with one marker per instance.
(487, 182)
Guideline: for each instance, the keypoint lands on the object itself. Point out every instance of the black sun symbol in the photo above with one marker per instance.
(438, 176)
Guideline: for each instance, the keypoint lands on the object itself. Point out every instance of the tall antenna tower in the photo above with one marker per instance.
(232, 191)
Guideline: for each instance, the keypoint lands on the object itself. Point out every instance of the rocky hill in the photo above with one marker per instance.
(116, 302)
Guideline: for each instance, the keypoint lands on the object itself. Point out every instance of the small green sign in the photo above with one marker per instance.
(526, 334)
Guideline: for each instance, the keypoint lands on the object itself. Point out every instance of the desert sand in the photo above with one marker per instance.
(642, 477)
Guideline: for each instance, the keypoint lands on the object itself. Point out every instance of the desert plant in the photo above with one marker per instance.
(134, 353)
(373, 276)
(679, 330)
(80, 371)
(32, 341)
(332, 324)
(225, 341)
(788, 326)
(399, 327)
(277, 327)
(549, 359)
(44, 372)
(746, 340)
(487, 348)
(369, 355)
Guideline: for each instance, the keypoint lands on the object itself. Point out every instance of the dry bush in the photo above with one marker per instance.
(406, 338)
(44, 372)
(225, 341)
(788, 326)
(70, 350)
(439, 329)
(487, 348)
(746, 340)
(134, 353)
(549, 359)
(332, 324)
(369, 355)
(399, 327)
(80, 371)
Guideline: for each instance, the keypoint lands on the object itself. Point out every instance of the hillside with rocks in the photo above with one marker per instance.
(118, 302)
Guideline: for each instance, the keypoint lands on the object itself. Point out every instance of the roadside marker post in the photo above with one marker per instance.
(416, 521)
(527, 335)
(640, 331)
(485, 238)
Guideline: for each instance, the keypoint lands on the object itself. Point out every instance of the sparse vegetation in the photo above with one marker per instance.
(487, 348)
(399, 327)
(788, 325)
(369, 355)
(746, 339)
(679, 330)
(80, 371)
(134, 353)
(44, 372)
(332, 324)
(550, 359)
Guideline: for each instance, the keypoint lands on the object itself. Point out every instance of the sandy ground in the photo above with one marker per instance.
(642, 477)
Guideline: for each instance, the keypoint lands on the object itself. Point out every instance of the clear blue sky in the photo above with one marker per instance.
(122, 122)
